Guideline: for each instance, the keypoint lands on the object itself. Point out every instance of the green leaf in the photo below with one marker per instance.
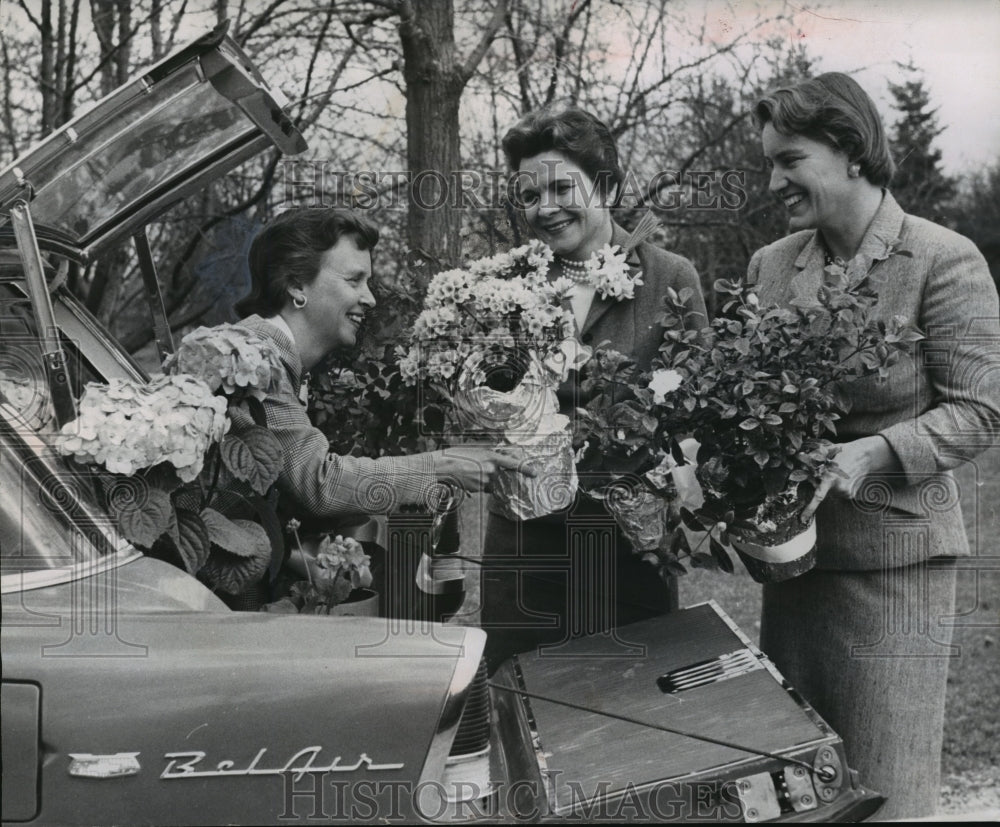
(749, 424)
(672, 568)
(244, 538)
(253, 456)
(191, 539)
(231, 573)
(721, 555)
(679, 543)
(163, 476)
(143, 519)
(285, 606)
(690, 521)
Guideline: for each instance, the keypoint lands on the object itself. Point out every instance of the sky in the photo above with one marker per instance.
(956, 44)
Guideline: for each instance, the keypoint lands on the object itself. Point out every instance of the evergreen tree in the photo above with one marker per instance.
(920, 185)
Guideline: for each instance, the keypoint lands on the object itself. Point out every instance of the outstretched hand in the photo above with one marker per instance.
(473, 467)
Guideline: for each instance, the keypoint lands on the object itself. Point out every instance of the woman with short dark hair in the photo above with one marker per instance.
(288, 250)
(570, 573)
(865, 636)
(310, 271)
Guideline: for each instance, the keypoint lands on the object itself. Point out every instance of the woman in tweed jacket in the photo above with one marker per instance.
(865, 637)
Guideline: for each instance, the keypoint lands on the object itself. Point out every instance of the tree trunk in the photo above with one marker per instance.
(434, 84)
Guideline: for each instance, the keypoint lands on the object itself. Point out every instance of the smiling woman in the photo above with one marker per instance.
(310, 270)
(866, 635)
(573, 572)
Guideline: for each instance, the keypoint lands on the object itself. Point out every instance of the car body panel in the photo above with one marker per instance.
(214, 704)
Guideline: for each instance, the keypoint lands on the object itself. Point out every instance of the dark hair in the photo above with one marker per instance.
(288, 250)
(580, 136)
(834, 109)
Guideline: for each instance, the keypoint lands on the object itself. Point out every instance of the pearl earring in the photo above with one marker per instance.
(854, 170)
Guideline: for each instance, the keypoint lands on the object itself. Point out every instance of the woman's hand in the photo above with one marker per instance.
(472, 466)
(856, 460)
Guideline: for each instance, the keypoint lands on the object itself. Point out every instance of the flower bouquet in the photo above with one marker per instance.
(161, 446)
(494, 340)
(762, 394)
(338, 577)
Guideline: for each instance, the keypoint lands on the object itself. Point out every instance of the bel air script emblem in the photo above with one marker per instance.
(188, 765)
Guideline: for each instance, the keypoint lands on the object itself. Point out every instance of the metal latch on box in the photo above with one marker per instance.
(761, 795)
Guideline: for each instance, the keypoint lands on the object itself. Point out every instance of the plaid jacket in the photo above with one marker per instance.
(315, 483)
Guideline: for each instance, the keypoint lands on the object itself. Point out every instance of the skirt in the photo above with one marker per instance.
(550, 580)
(870, 651)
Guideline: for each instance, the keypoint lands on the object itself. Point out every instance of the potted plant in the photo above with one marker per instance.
(337, 578)
(630, 456)
(490, 346)
(164, 456)
(762, 395)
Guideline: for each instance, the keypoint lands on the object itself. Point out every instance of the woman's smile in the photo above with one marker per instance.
(563, 206)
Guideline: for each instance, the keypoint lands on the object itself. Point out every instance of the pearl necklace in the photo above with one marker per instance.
(575, 271)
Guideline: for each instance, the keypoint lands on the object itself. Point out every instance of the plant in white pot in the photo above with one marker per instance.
(337, 578)
(762, 395)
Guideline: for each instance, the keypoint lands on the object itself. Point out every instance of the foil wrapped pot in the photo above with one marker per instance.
(520, 497)
(640, 514)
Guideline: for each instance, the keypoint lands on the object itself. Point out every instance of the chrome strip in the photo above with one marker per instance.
(77, 323)
(536, 741)
(466, 667)
(24, 581)
(41, 304)
(728, 665)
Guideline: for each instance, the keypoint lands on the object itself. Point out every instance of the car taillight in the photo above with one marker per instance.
(474, 728)
(467, 769)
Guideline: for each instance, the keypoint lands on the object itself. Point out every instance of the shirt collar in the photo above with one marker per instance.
(885, 227)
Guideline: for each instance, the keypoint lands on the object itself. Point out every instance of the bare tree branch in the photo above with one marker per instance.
(521, 58)
(467, 70)
(562, 41)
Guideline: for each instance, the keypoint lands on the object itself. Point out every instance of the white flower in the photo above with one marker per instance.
(663, 382)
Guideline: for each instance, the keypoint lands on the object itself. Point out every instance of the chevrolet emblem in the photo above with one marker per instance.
(85, 765)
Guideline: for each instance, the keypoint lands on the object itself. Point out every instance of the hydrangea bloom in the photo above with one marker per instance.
(127, 426)
(229, 357)
(342, 557)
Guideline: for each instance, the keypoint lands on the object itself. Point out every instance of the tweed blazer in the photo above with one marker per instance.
(938, 408)
(313, 482)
